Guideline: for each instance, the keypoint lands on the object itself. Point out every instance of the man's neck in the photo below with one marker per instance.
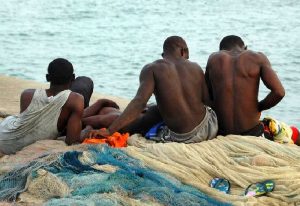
(236, 49)
(172, 57)
(55, 89)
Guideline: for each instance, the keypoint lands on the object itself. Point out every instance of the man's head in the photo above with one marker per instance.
(230, 42)
(175, 46)
(60, 72)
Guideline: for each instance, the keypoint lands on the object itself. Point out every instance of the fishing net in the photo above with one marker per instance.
(100, 176)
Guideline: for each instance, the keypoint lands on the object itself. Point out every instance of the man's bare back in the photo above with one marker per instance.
(180, 91)
(233, 77)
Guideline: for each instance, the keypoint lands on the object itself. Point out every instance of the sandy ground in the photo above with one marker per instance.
(11, 88)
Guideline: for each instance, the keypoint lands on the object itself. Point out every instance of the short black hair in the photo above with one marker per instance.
(60, 71)
(172, 43)
(230, 41)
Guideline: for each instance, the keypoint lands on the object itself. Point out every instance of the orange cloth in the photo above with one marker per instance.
(115, 140)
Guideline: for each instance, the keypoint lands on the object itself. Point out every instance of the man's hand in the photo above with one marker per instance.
(109, 103)
(102, 133)
(85, 132)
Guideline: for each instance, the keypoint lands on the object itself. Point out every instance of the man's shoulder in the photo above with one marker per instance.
(25, 98)
(156, 64)
(75, 96)
(75, 100)
(27, 93)
(224, 54)
(193, 64)
(254, 56)
(218, 55)
(160, 63)
(166, 63)
(258, 54)
(251, 53)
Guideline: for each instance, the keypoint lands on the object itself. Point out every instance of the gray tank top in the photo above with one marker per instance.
(37, 122)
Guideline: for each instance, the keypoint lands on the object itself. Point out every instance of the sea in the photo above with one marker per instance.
(111, 40)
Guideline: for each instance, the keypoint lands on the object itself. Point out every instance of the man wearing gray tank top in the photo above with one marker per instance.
(45, 114)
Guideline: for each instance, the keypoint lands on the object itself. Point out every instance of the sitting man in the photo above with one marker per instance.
(233, 75)
(180, 90)
(46, 113)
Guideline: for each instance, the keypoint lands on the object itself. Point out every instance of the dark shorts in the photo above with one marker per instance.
(257, 131)
(84, 86)
(206, 130)
(146, 120)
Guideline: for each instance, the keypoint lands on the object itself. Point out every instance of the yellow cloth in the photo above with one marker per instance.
(281, 132)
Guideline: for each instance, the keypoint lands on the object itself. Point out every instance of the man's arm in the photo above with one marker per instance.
(97, 106)
(205, 93)
(271, 81)
(137, 105)
(25, 99)
(207, 79)
(74, 122)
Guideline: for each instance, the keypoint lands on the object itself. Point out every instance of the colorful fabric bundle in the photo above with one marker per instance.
(115, 140)
(277, 131)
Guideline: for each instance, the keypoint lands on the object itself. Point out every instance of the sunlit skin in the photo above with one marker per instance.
(233, 77)
(179, 88)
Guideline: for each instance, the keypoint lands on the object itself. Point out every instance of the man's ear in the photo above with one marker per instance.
(182, 52)
(48, 77)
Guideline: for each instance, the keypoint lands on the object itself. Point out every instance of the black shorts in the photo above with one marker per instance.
(257, 131)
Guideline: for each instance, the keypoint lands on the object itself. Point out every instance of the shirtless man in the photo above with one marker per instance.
(180, 91)
(233, 75)
(46, 113)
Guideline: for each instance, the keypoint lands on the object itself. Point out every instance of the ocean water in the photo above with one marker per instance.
(111, 41)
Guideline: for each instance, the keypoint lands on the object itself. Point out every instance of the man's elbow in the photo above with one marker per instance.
(69, 141)
(280, 93)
